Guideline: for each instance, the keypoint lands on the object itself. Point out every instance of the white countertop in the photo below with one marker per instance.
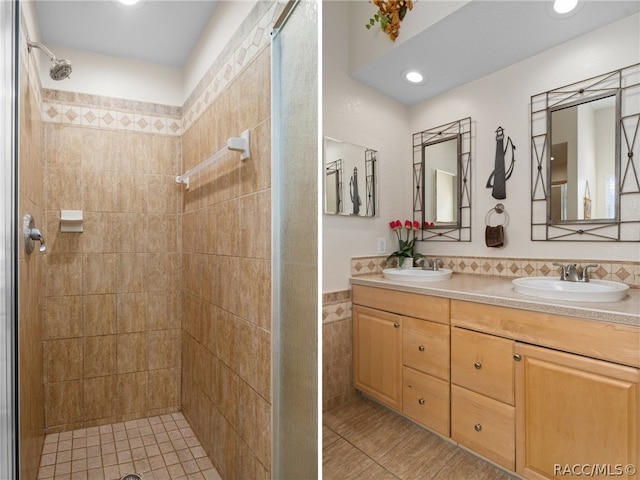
(500, 291)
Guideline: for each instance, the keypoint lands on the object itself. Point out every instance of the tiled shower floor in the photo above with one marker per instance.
(158, 448)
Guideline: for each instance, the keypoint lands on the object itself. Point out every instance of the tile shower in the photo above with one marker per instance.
(143, 316)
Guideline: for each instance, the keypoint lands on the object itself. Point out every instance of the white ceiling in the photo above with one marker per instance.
(157, 31)
(482, 37)
(477, 39)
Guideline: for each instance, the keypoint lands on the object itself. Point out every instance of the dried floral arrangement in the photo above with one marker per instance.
(390, 13)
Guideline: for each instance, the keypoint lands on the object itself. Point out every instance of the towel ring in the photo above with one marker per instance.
(499, 209)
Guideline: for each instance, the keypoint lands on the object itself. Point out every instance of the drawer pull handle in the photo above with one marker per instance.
(477, 427)
(517, 357)
(396, 325)
(478, 365)
(421, 348)
(421, 401)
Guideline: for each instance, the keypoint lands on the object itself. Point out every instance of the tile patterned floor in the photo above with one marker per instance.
(158, 448)
(362, 440)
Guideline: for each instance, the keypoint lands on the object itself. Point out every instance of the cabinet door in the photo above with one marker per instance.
(377, 355)
(574, 411)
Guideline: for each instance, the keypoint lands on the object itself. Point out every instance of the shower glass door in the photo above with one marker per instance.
(295, 173)
(8, 424)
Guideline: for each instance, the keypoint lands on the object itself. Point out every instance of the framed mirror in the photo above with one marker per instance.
(442, 181)
(350, 179)
(585, 160)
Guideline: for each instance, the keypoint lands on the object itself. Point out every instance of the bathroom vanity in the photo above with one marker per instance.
(535, 387)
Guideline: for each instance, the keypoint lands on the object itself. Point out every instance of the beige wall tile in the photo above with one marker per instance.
(63, 317)
(164, 388)
(64, 146)
(99, 314)
(99, 191)
(255, 223)
(99, 356)
(63, 359)
(164, 349)
(130, 271)
(99, 395)
(64, 189)
(132, 393)
(99, 273)
(132, 352)
(132, 192)
(100, 234)
(63, 403)
(132, 312)
(64, 275)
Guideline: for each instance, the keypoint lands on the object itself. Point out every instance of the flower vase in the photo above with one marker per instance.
(406, 263)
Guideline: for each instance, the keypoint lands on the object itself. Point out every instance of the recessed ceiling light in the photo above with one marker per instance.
(413, 77)
(128, 2)
(564, 6)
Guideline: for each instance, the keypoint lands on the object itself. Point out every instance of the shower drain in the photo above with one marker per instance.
(132, 476)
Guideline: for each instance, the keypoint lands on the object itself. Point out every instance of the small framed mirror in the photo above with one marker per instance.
(585, 162)
(442, 181)
(350, 179)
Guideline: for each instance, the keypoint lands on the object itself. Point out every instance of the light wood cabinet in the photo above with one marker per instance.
(572, 410)
(411, 376)
(377, 350)
(534, 392)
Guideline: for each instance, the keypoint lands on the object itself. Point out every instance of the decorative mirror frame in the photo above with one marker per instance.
(371, 174)
(460, 231)
(369, 201)
(625, 227)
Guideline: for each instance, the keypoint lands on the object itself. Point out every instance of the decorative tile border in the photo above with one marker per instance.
(336, 306)
(108, 118)
(257, 36)
(625, 272)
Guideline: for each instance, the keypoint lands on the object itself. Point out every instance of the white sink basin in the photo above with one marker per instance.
(592, 291)
(416, 274)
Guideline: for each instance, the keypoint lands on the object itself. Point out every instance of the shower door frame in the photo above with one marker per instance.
(9, 444)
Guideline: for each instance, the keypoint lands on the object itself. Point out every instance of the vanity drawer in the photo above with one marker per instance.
(425, 399)
(484, 425)
(483, 363)
(415, 305)
(425, 346)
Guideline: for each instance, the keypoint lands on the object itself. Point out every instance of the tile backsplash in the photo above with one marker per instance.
(625, 272)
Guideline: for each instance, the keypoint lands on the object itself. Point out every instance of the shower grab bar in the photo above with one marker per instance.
(238, 144)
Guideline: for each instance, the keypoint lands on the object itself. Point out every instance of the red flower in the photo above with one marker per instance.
(407, 224)
(416, 225)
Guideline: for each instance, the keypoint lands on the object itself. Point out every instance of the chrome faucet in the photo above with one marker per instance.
(569, 272)
(424, 261)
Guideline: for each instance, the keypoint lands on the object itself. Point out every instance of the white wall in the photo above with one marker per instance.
(227, 17)
(358, 114)
(117, 77)
(503, 99)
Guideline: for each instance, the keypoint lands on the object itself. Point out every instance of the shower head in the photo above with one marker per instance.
(60, 67)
